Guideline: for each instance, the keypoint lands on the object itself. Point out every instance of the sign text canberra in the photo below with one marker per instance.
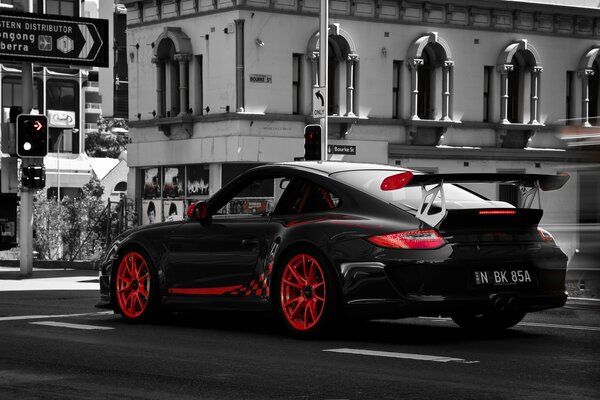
(54, 39)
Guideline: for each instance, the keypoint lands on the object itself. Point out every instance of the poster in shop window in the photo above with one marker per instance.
(151, 183)
(197, 180)
(173, 210)
(173, 184)
(151, 212)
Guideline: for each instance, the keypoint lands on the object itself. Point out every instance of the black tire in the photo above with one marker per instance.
(305, 295)
(489, 321)
(135, 287)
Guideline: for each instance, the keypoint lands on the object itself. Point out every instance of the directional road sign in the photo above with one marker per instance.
(318, 100)
(53, 39)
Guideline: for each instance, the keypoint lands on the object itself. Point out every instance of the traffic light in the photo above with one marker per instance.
(33, 176)
(312, 142)
(32, 135)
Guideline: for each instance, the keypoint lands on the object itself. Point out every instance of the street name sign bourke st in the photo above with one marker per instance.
(53, 39)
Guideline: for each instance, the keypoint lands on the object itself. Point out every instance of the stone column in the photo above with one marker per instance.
(535, 95)
(184, 82)
(585, 91)
(413, 66)
(504, 70)
(240, 96)
(351, 61)
(446, 70)
(314, 68)
(160, 86)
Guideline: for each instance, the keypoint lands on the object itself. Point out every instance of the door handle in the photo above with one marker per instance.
(250, 243)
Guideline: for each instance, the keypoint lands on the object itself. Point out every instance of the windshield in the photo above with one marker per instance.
(409, 198)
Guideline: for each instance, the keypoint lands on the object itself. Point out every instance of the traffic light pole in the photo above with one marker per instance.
(323, 61)
(26, 206)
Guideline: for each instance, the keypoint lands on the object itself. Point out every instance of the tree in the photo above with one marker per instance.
(69, 228)
(105, 143)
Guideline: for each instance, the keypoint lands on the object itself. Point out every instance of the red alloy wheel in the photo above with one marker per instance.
(133, 285)
(303, 292)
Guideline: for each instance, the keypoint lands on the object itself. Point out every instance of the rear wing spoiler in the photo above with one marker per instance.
(530, 185)
(543, 182)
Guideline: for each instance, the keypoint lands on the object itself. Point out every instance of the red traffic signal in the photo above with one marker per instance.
(312, 142)
(32, 135)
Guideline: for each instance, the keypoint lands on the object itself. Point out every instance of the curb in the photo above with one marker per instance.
(59, 264)
(583, 303)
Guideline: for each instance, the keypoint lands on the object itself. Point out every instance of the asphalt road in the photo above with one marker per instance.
(56, 345)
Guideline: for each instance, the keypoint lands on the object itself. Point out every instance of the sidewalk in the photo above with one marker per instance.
(48, 279)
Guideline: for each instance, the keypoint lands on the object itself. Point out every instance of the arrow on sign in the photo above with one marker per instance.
(320, 97)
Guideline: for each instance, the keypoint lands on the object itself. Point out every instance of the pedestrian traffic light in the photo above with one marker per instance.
(312, 142)
(33, 176)
(32, 135)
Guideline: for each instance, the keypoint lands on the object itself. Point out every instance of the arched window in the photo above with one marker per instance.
(172, 54)
(588, 71)
(342, 70)
(520, 70)
(431, 67)
(426, 82)
(594, 112)
(120, 187)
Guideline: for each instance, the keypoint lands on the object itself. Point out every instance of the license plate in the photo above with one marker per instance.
(503, 277)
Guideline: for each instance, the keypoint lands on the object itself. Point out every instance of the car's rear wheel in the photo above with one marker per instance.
(489, 321)
(306, 296)
(135, 287)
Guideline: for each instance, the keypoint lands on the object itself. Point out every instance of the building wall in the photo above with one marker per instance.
(470, 34)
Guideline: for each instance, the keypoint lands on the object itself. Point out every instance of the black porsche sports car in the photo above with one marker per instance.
(316, 241)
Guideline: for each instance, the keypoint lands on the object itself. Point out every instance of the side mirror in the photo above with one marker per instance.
(197, 211)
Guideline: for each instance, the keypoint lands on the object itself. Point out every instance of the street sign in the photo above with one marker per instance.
(341, 149)
(318, 100)
(54, 39)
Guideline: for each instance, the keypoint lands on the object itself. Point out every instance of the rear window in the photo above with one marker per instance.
(408, 198)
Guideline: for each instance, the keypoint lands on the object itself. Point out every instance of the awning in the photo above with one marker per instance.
(74, 170)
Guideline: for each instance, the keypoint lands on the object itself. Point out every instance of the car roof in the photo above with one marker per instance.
(332, 167)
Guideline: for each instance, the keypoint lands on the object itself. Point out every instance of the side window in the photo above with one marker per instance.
(257, 198)
(302, 197)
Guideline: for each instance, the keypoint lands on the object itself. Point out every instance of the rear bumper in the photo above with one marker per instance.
(444, 281)
(419, 305)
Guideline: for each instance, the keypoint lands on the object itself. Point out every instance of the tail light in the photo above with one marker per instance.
(545, 235)
(419, 239)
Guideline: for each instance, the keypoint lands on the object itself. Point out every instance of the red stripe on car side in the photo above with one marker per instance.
(215, 290)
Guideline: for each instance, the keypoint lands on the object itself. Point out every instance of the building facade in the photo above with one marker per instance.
(216, 86)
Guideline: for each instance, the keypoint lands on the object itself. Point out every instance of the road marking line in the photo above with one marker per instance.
(71, 326)
(575, 327)
(408, 356)
(25, 317)
(532, 324)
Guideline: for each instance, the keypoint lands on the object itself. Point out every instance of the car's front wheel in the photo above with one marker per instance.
(305, 295)
(135, 286)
